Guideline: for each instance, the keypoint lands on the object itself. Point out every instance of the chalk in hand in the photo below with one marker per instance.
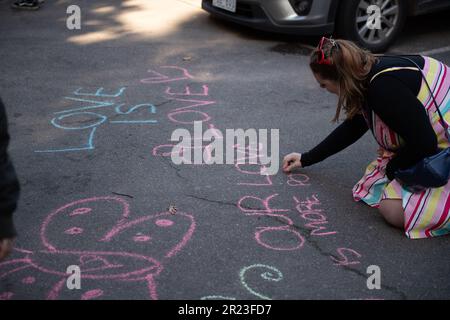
(172, 209)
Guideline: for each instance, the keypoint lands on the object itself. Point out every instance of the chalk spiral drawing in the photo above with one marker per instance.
(96, 251)
(273, 274)
(268, 275)
(95, 119)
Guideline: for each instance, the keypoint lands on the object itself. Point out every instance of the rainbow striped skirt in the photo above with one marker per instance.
(427, 214)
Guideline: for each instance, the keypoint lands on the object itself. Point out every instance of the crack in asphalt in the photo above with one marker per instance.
(177, 170)
(163, 103)
(306, 233)
(221, 202)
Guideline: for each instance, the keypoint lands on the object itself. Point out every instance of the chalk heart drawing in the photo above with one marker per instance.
(93, 234)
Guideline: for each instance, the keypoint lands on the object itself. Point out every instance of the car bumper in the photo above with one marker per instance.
(276, 16)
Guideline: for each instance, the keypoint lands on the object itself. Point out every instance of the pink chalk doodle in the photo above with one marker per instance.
(287, 229)
(203, 116)
(266, 178)
(108, 226)
(307, 204)
(297, 180)
(164, 223)
(345, 260)
(164, 150)
(178, 115)
(29, 280)
(188, 92)
(294, 236)
(167, 150)
(249, 156)
(141, 238)
(92, 294)
(193, 103)
(6, 295)
(186, 114)
(162, 78)
(186, 110)
(74, 230)
(267, 210)
(80, 211)
(315, 217)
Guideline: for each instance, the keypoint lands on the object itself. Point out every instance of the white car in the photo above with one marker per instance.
(373, 24)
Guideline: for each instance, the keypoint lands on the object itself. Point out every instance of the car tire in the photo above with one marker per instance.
(352, 23)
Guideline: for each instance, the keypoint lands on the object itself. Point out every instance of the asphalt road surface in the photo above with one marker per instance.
(91, 114)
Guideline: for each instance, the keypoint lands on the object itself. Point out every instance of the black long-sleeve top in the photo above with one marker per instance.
(393, 98)
(9, 185)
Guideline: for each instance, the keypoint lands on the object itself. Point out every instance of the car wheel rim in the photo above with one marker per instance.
(375, 30)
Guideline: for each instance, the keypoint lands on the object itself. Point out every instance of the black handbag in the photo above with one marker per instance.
(430, 172)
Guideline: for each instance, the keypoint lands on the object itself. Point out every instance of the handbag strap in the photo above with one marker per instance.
(393, 69)
(417, 68)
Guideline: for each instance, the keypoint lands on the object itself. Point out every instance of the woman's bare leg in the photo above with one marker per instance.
(393, 213)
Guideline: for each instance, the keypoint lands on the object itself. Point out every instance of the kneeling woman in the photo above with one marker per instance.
(389, 96)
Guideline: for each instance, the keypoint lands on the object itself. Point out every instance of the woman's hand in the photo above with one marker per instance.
(292, 161)
(6, 246)
(383, 153)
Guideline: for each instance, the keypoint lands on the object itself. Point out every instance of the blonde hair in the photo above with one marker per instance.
(349, 66)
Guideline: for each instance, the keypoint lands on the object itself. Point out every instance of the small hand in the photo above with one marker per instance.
(292, 161)
(6, 246)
